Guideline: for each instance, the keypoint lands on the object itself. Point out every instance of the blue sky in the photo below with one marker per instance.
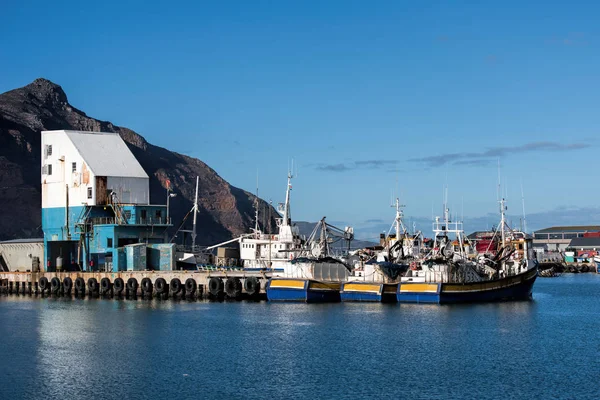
(367, 97)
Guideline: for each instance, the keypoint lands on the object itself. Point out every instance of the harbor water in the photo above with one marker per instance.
(112, 349)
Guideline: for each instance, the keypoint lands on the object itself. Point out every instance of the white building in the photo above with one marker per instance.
(95, 201)
(90, 165)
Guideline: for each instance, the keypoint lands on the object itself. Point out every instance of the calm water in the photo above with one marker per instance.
(544, 349)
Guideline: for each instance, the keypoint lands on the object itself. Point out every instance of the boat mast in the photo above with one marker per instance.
(195, 214)
(323, 240)
(256, 204)
(287, 215)
(398, 218)
(256, 226)
(502, 220)
(523, 203)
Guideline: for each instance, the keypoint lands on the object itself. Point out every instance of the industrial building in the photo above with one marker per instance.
(558, 238)
(96, 203)
(20, 255)
(583, 249)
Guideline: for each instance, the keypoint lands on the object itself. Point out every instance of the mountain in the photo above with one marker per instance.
(224, 210)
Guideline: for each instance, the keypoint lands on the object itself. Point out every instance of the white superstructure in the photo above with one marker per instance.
(261, 250)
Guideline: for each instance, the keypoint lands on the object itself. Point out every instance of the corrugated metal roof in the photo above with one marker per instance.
(106, 154)
(581, 228)
(479, 234)
(34, 240)
(585, 242)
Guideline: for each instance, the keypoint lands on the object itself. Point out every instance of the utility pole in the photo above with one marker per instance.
(169, 195)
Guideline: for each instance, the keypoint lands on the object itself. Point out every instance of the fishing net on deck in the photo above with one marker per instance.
(391, 270)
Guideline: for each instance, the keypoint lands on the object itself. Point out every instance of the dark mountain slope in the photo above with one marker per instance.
(225, 211)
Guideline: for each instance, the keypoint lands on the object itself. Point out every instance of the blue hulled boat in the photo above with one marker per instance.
(311, 280)
(377, 270)
(516, 287)
(303, 290)
(451, 275)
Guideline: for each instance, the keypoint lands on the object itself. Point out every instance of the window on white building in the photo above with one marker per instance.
(49, 169)
(48, 150)
(89, 193)
(74, 167)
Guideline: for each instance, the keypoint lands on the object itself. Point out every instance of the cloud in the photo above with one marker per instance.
(473, 158)
(333, 167)
(374, 163)
(474, 163)
(559, 216)
(361, 164)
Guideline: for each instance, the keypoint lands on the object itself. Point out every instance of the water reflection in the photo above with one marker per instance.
(72, 348)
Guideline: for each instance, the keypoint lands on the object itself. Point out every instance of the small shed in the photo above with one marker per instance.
(20, 255)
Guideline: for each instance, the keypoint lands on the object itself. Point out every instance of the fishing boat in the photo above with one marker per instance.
(301, 269)
(597, 262)
(318, 273)
(376, 272)
(271, 252)
(310, 280)
(453, 273)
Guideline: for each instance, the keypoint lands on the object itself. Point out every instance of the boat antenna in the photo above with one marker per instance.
(446, 209)
(195, 214)
(503, 220)
(498, 190)
(397, 183)
(256, 205)
(523, 203)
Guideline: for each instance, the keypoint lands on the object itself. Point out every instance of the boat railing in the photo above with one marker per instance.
(264, 236)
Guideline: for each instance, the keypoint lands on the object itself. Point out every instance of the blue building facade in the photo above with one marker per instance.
(95, 236)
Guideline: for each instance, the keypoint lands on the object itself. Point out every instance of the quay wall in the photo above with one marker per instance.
(26, 280)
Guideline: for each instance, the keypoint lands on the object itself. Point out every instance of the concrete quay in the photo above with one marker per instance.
(217, 284)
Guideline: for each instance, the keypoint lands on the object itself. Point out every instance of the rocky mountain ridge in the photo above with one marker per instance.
(224, 211)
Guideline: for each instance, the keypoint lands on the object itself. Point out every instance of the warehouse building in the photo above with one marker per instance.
(95, 203)
(558, 238)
